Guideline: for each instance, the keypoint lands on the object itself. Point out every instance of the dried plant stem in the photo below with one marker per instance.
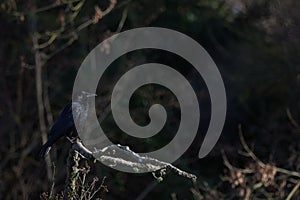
(255, 158)
(72, 174)
(246, 147)
(294, 190)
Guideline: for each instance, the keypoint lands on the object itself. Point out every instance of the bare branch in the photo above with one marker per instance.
(78, 146)
(40, 103)
(292, 120)
(121, 155)
(246, 147)
(122, 21)
(294, 190)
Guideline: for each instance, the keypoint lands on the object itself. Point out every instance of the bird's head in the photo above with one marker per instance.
(83, 96)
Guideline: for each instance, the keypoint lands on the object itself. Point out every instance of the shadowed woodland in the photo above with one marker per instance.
(255, 45)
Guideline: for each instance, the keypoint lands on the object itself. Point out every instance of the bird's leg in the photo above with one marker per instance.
(72, 139)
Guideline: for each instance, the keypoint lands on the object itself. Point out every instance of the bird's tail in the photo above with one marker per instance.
(44, 150)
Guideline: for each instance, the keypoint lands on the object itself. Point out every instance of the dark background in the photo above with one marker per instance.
(255, 45)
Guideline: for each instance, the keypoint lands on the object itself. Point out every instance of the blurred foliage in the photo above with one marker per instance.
(255, 44)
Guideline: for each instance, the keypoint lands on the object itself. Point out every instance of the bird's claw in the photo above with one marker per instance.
(72, 139)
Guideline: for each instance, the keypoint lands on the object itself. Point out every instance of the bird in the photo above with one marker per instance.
(64, 124)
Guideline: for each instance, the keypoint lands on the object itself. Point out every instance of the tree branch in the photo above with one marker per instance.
(122, 156)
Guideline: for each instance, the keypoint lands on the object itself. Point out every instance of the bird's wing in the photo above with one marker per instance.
(63, 123)
(79, 115)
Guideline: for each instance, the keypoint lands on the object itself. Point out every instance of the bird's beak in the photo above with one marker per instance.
(91, 95)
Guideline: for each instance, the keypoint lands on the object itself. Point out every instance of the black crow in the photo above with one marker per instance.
(64, 125)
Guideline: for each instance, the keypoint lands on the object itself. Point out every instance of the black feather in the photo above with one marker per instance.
(64, 125)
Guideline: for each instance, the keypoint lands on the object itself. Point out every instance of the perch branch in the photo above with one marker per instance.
(122, 156)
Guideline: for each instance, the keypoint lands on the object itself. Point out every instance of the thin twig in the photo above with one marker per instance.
(53, 181)
(246, 147)
(45, 8)
(51, 39)
(254, 157)
(226, 161)
(122, 21)
(294, 190)
(77, 30)
(61, 48)
(288, 172)
(292, 120)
